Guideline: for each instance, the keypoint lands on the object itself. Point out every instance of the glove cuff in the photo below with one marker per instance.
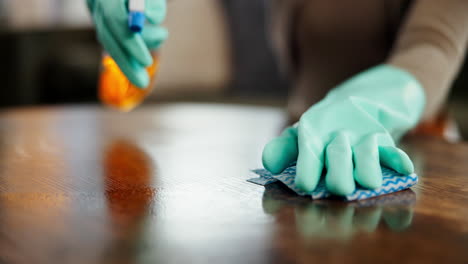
(390, 94)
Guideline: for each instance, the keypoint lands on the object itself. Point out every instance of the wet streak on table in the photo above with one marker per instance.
(167, 185)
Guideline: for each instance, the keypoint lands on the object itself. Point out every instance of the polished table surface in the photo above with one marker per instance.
(167, 184)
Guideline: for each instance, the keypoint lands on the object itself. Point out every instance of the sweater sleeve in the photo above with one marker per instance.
(431, 45)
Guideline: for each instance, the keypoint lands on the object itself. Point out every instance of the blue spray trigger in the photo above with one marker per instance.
(136, 21)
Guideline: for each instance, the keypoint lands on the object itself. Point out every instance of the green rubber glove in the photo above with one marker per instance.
(352, 132)
(131, 51)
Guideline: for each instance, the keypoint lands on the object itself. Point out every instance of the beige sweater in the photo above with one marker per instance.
(322, 43)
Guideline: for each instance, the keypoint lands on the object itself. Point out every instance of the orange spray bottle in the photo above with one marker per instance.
(115, 90)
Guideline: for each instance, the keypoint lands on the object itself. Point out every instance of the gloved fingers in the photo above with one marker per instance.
(135, 72)
(398, 219)
(339, 163)
(367, 171)
(90, 5)
(155, 11)
(281, 152)
(154, 36)
(132, 43)
(396, 159)
(309, 167)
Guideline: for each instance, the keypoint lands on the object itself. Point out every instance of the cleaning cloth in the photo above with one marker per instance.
(392, 182)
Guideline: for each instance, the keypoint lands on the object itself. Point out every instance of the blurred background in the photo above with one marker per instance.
(218, 50)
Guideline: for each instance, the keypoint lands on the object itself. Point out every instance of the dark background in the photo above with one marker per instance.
(60, 65)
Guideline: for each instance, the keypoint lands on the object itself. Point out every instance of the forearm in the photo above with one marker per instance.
(432, 46)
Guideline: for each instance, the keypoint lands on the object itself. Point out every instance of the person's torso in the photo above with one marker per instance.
(322, 43)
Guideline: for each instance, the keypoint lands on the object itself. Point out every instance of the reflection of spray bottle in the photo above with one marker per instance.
(115, 89)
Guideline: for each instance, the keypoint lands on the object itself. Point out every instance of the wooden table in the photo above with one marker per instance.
(167, 184)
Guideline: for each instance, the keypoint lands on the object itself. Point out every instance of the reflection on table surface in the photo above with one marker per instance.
(168, 184)
(335, 220)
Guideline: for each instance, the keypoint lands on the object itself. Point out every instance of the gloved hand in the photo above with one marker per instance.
(131, 51)
(351, 132)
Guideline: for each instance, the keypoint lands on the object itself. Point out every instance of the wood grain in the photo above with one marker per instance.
(167, 184)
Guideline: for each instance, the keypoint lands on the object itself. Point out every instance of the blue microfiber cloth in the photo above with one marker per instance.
(392, 182)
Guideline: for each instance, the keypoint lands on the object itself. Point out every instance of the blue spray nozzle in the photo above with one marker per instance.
(136, 21)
